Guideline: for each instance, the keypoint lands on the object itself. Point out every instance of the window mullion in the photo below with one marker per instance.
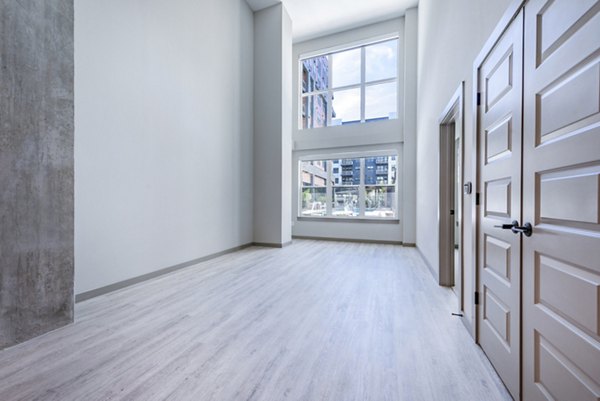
(346, 87)
(363, 75)
(314, 93)
(381, 81)
(329, 190)
(361, 188)
(329, 92)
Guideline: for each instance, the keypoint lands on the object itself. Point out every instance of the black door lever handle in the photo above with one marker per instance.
(509, 226)
(527, 229)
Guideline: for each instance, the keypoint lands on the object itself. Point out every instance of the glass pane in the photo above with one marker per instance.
(346, 107)
(314, 111)
(346, 171)
(314, 173)
(345, 201)
(346, 178)
(345, 68)
(381, 60)
(314, 201)
(320, 111)
(381, 170)
(315, 74)
(314, 188)
(381, 102)
(380, 201)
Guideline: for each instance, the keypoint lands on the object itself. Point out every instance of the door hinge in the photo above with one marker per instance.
(478, 98)
(476, 297)
(477, 199)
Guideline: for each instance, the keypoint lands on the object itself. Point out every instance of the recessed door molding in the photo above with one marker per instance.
(450, 206)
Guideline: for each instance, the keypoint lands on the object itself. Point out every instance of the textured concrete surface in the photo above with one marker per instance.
(36, 167)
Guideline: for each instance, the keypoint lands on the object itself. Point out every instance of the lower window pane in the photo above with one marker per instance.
(314, 187)
(345, 201)
(314, 201)
(380, 201)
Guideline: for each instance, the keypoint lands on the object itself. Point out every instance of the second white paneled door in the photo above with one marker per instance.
(561, 198)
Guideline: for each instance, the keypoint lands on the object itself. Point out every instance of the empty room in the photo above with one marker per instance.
(304, 200)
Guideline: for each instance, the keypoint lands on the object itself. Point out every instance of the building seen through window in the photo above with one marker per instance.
(350, 86)
(352, 187)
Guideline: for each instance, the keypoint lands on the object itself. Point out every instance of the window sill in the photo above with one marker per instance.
(349, 220)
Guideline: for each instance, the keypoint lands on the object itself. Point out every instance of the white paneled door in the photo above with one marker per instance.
(539, 215)
(561, 199)
(500, 83)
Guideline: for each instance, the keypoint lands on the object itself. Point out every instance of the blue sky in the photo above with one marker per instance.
(380, 63)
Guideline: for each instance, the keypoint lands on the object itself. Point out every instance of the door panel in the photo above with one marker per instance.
(500, 82)
(561, 198)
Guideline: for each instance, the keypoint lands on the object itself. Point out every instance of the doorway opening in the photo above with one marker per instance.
(450, 213)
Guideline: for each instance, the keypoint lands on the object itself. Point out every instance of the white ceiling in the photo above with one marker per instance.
(313, 18)
(260, 4)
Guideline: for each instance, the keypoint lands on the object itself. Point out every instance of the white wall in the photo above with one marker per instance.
(451, 35)
(163, 134)
(286, 130)
(272, 126)
(348, 139)
(409, 188)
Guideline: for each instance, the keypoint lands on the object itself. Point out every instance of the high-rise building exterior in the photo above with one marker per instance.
(315, 77)
(380, 170)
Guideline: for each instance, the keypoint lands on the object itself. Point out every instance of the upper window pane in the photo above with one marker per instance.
(345, 68)
(351, 86)
(315, 74)
(346, 107)
(381, 102)
(381, 61)
(314, 110)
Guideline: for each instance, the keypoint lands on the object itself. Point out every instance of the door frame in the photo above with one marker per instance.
(509, 15)
(452, 125)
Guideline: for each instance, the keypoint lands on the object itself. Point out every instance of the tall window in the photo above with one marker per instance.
(362, 187)
(351, 86)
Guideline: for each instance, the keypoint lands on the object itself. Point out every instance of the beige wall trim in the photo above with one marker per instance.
(271, 245)
(409, 245)
(365, 241)
(348, 220)
(433, 272)
(144, 277)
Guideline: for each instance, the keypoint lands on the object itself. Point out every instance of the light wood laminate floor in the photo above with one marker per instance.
(314, 321)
